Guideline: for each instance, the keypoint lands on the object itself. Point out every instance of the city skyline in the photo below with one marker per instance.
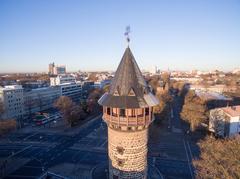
(90, 36)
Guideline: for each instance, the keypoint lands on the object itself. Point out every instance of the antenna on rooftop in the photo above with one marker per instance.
(127, 34)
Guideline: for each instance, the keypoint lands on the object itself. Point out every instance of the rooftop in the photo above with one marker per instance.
(12, 87)
(209, 95)
(232, 110)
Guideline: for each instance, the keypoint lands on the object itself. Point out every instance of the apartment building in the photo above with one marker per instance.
(61, 79)
(12, 99)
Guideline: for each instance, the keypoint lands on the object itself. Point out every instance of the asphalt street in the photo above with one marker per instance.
(35, 152)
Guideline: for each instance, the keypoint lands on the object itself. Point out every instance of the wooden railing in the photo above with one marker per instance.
(127, 121)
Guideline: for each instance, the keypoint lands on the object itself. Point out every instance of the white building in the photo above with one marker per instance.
(40, 99)
(225, 121)
(187, 79)
(12, 98)
(61, 79)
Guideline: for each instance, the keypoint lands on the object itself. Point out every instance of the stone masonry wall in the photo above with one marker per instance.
(127, 154)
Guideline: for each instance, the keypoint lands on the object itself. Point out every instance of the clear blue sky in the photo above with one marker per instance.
(88, 35)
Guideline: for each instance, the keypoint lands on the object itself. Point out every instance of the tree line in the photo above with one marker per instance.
(73, 112)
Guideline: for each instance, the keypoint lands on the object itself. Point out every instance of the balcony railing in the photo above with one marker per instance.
(127, 121)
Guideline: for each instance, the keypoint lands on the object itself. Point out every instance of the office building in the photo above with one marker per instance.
(72, 90)
(12, 99)
(40, 99)
(61, 79)
(59, 70)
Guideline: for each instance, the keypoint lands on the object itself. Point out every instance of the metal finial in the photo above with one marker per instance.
(127, 34)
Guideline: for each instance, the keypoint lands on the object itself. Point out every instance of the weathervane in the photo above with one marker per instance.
(127, 34)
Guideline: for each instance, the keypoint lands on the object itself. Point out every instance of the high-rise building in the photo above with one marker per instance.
(51, 68)
(128, 112)
(56, 69)
(59, 70)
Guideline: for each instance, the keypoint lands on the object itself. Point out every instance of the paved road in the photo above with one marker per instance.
(170, 150)
(47, 150)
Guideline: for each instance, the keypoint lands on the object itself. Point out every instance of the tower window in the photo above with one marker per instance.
(146, 111)
(108, 111)
(122, 112)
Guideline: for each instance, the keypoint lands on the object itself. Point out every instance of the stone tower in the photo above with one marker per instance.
(127, 110)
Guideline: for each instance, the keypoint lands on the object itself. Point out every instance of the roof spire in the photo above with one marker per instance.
(128, 88)
(127, 35)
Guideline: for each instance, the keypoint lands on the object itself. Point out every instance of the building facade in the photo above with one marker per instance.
(225, 122)
(51, 68)
(72, 90)
(56, 69)
(127, 110)
(12, 99)
(59, 70)
(61, 79)
(40, 99)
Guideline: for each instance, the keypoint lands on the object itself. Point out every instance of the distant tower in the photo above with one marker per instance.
(127, 110)
(51, 68)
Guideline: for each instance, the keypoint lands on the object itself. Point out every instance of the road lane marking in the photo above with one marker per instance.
(103, 143)
(190, 151)
(19, 151)
(30, 136)
(189, 162)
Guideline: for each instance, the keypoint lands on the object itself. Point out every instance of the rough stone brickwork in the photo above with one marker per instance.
(127, 154)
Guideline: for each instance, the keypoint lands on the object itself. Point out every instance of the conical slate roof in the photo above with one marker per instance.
(128, 88)
(128, 76)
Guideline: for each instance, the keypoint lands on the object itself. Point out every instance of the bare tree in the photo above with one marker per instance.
(194, 110)
(93, 77)
(72, 113)
(165, 77)
(219, 158)
(92, 101)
